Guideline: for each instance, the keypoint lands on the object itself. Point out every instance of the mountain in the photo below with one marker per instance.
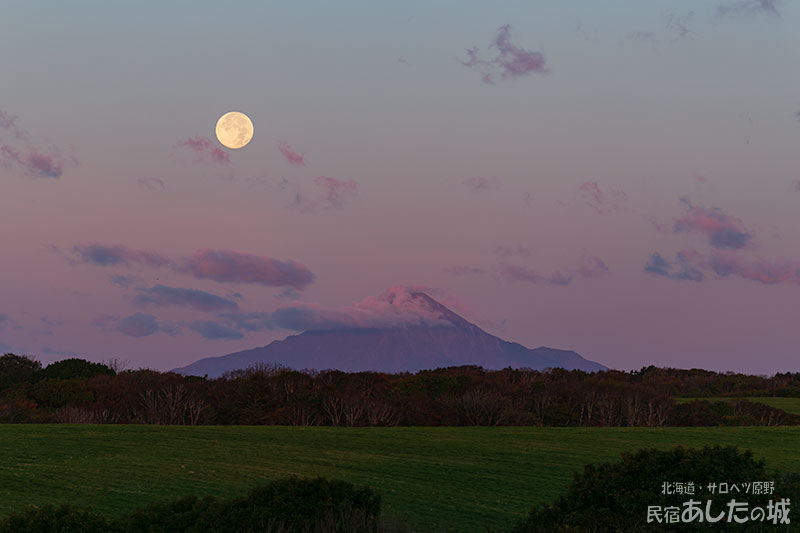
(413, 332)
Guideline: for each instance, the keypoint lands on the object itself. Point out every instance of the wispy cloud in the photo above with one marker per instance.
(592, 267)
(154, 184)
(749, 8)
(164, 296)
(336, 190)
(123, 281)
(117, 254)
(722, 231)
(675, 28)
(510, 61)
(511, 251)
(47, 350)
(515, 273)
(205, 150)
(136, 325)
(690, 265)
(726, 263)
(589, 267)
(679, 24)
(480, 184)
(212, 330)
(235, 267)
(323, 193)
(680, 269)
(248, 321)
(292, 157)
(646, 37)
(464, 270)
(602, 200)
(19, 153)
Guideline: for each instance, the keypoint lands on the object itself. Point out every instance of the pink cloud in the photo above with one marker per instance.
(763, 271)
(722, 231)
(19, 153)
(396, 307)
(205, 150)
(218, 265)
(154, 184)
(510, 62)
(291, 156)
(235, 267)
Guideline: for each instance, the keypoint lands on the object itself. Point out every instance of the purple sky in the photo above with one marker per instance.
(614, 178)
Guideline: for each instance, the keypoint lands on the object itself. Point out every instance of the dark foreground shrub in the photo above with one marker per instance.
(286, 505)
(49, 518)
(296, 504)
(181, 514)
(616, 496)
(291, 505)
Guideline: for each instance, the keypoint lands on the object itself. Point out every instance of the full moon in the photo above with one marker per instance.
(234, 130)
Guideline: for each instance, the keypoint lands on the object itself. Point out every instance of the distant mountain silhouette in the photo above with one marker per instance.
(440, 339)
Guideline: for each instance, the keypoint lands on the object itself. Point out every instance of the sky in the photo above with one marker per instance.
(616, 178)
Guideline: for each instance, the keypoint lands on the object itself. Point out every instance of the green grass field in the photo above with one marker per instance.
(790, 405)
(469, 477)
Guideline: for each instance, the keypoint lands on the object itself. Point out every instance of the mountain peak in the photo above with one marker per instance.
(413, 307)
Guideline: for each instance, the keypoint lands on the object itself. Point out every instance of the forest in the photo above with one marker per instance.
(79, 391)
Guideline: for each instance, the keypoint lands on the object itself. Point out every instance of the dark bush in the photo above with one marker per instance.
(17, 369)
(286, 505)
(63, 519)
(75, 368)
(55, 393)
(616, 496)
(182, 514)
(296, 504)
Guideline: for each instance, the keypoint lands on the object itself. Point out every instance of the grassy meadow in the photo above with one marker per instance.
(469, 478)
(790, 405)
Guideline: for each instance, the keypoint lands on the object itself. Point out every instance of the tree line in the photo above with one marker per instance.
(79, 391)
